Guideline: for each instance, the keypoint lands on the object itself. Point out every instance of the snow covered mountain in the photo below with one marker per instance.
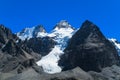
(62, 32)
(36, 31)
(116, 44)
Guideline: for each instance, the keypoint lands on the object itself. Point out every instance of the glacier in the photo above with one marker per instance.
(49, 62)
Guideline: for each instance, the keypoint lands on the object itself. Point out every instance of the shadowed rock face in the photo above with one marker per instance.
(5, 35)
(40, 45)
(89, 49)
(12, 48)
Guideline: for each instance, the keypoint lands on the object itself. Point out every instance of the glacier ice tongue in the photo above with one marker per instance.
(49, 63)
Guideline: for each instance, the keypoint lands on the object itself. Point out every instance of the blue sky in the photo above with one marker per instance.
(18, 14)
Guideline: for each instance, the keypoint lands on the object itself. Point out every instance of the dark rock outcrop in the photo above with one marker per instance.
(12, 48)
(24, 46)
(39, 45)
(5, 35)
(89, 49)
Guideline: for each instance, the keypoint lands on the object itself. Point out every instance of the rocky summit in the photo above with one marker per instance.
(65, 53)
(63, 24)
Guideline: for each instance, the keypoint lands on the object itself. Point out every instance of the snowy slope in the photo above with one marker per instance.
(50, 62)
(36, 31)
(116, 43)
(61, 34)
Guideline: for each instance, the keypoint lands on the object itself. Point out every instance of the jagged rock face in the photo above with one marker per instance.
(89, 49)
(5, 35)
(12, 48)
(24, 46)
(12, 56)
(40, 45)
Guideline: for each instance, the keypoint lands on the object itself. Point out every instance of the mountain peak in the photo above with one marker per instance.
(36, 31)
(39, 31)
(40, 28)
(63, 24)
(88, 29)
(88, 24)
(88, 46)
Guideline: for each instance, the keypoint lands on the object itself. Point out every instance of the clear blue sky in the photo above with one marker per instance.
(18, 14)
